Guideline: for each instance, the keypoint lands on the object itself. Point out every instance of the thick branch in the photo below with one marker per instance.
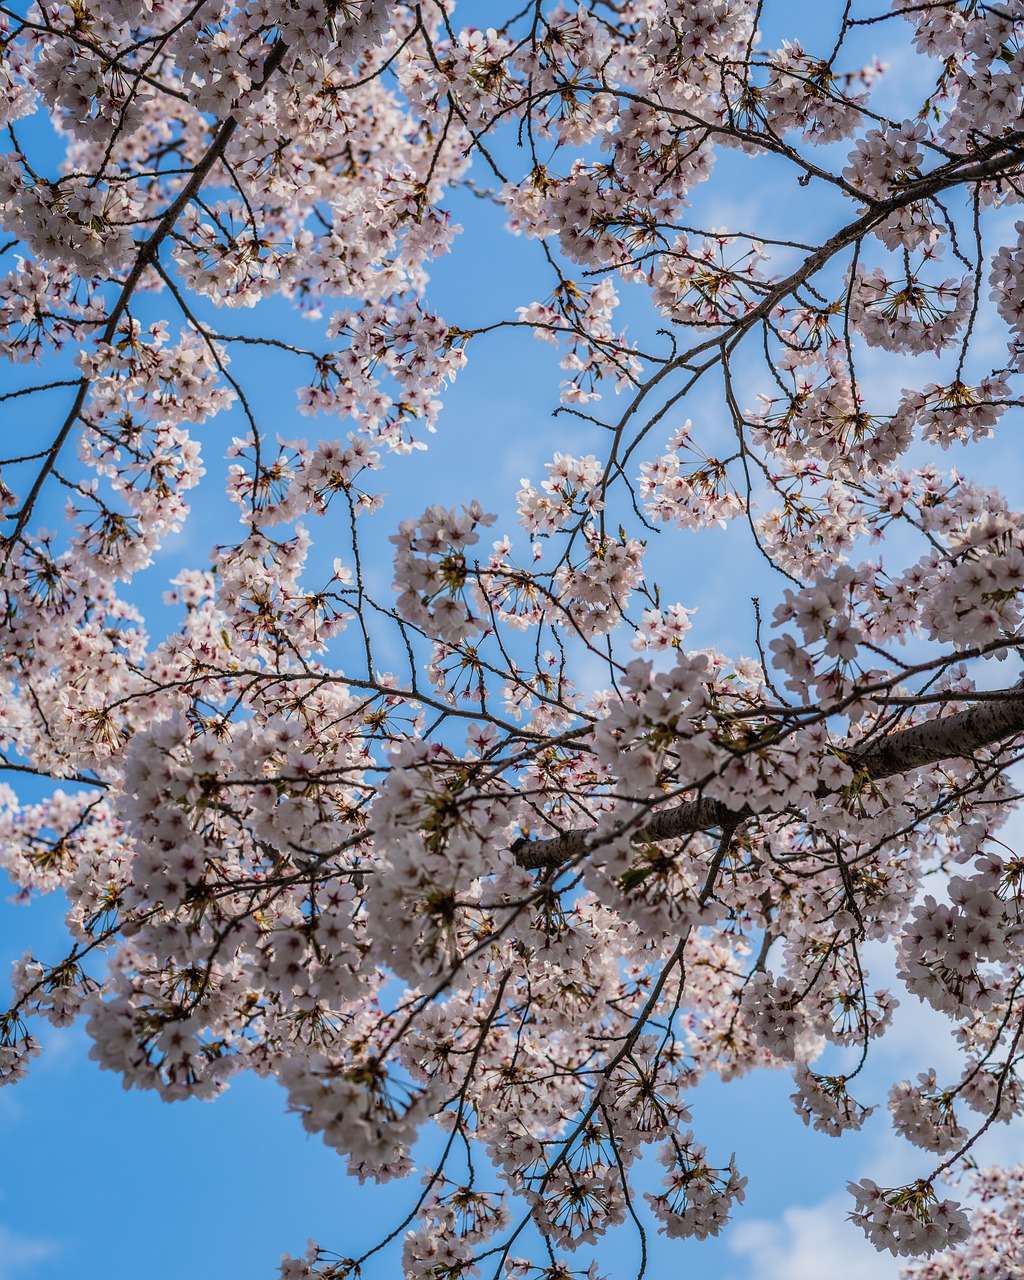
(999, 718)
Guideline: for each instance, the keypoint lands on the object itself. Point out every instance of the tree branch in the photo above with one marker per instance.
(147, 255)
(999, 718)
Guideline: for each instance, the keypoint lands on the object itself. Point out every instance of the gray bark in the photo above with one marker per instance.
(997, 719)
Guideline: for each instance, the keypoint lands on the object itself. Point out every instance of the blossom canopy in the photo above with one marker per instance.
(446, 815)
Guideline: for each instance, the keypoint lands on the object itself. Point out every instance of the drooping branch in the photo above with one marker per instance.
(998, 718)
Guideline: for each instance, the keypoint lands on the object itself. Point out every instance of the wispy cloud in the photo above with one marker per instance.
(19, 1254)
(809, 1244)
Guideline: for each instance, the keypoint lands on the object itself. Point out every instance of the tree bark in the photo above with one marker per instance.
(998, 718)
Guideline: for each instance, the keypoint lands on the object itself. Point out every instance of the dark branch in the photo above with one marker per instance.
(147, 257)
(997, 719)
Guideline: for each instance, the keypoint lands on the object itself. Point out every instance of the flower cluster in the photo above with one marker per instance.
(908, 1220)
(433, 579)
(996, 1243)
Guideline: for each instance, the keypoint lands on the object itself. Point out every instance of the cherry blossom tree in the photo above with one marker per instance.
(487, 890)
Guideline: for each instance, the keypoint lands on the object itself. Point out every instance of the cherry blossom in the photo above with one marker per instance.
(449, 813)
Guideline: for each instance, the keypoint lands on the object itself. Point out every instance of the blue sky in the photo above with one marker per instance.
(98, 1182)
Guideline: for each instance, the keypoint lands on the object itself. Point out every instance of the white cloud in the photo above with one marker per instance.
(18, 1254)
(810, 1244)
